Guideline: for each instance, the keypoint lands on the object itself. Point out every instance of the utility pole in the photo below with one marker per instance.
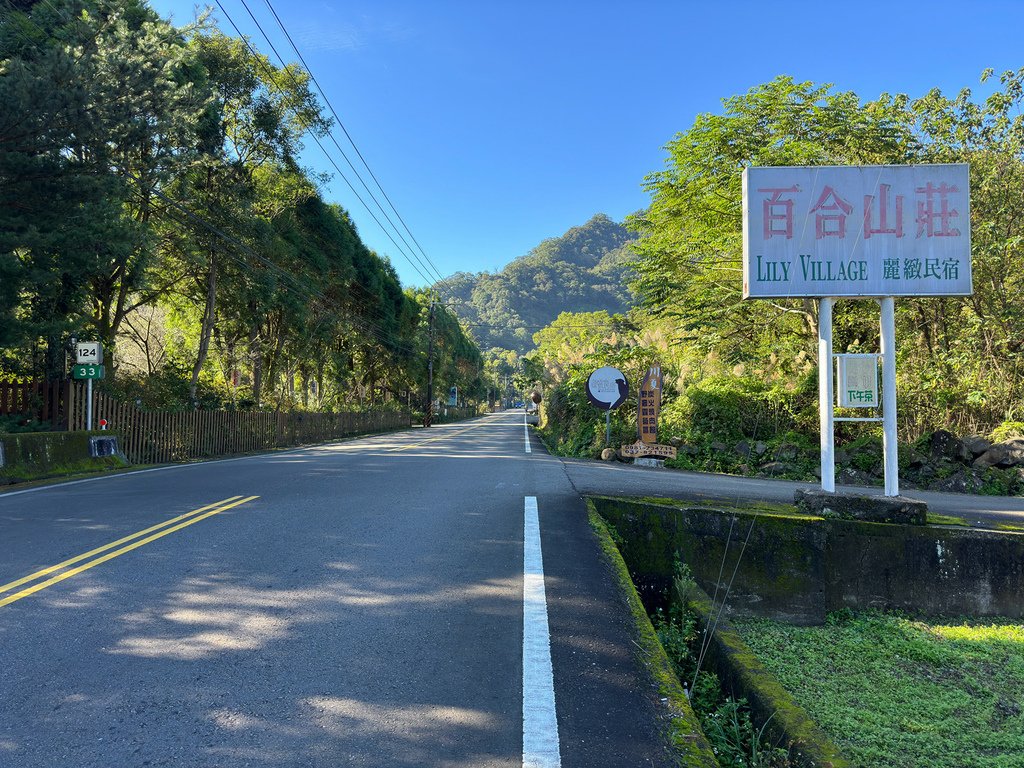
(428, 416)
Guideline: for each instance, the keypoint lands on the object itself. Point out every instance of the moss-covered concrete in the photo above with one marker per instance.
(36, 455)
(683, 727)
(798, 568)
(924, 570)
(780, 574)
(772, 708)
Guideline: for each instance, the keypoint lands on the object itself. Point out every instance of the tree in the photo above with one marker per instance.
(689, 250)
(263, 111)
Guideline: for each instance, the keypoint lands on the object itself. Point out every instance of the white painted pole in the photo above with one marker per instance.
(88, 406)
(825, 396)
(889, 449)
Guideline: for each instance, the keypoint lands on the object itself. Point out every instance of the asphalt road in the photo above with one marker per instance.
(357, 604)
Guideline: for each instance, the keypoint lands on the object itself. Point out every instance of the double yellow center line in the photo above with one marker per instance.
(137, 540)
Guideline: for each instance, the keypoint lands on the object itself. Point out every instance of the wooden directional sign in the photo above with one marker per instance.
(87, 372)
(649, 405)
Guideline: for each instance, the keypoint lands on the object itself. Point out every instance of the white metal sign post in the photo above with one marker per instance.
(859, 232)
(88, 366)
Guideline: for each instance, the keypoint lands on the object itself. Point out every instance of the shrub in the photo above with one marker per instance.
(732, 408)
(15, 423)
(1007, 430)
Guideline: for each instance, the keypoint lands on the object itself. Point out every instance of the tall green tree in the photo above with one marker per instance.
(689, 250)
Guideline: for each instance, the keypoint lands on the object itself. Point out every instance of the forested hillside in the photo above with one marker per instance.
(584, 270)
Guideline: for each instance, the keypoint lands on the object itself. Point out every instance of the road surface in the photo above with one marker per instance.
(355, 604)
(596, 478)
(424, 598)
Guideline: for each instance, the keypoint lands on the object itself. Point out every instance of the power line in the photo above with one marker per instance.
(330, 159)
(270, 75)
(341, 124)
(373, 329)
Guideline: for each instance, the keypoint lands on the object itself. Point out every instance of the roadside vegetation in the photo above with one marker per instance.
(741, 376)
(894, 692)
(152, 198)
(724, 719)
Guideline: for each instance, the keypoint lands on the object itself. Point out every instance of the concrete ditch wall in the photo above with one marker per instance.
(797, 569)
(30, 455)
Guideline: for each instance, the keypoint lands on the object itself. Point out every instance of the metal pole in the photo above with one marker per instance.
(825, 396)
(428, 411)
(608, 428)
(88, 406)
(889, 445)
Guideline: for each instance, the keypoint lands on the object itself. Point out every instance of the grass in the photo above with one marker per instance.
(21, 474)
(934, 519)
(776, 509)
(897, 693)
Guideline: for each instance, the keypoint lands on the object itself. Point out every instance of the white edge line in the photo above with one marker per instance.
(540, 721)
(526, 434)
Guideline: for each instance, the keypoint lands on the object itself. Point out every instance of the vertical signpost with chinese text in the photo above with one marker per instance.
(648, 408)
(857, 232)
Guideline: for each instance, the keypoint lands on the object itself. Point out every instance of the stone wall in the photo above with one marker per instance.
(798, 568)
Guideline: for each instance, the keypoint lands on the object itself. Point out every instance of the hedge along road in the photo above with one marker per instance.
(360, 603)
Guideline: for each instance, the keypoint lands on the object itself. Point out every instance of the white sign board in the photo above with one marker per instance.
(881, 230)
(607, 388)
(89, 353)
(858, 381)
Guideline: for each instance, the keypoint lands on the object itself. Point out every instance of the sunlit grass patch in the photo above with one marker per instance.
(934, 519)
(907, 694)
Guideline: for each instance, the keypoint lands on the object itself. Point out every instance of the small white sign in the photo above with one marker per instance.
(89, 353)
(607, 388)
(858, 381)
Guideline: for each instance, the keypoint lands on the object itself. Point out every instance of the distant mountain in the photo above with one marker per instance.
(581, 271)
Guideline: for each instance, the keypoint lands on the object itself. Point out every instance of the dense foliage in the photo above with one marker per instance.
(151, 197)
(746, 370)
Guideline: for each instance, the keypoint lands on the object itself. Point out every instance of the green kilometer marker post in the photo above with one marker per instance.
(87, 371)
(89, 366)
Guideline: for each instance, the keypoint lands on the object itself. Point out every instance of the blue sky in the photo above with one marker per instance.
(494, 125)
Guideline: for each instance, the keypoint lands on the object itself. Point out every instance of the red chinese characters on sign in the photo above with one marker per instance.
(886, 214)
(936, 223)
(778, 213)
(833, 223)
(882, 213)
(858, 230)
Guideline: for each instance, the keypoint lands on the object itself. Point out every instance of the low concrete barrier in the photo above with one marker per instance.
(33, 455)
(797, 568)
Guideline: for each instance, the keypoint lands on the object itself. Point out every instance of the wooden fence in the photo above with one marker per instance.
(157, 437)
(44, 401)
